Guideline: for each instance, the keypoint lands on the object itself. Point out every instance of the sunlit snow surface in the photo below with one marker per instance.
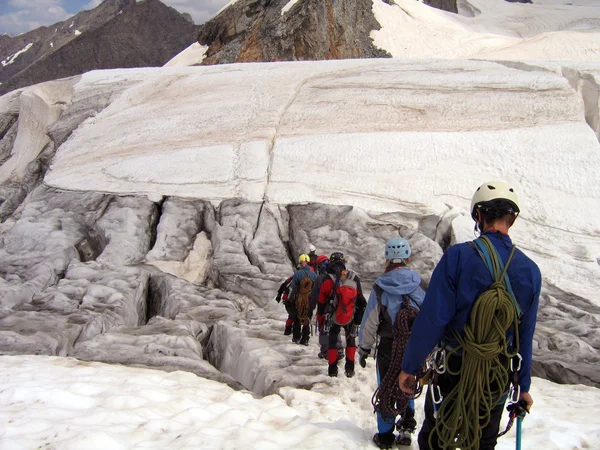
(68, 404)
(487, 29)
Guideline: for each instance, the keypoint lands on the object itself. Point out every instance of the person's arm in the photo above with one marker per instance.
(324, 293)
(526, 330)
(439, 306)
(361, 302)
(313, 298)
(370, 323)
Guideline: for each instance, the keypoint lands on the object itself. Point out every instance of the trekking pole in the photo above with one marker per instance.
(519, 429)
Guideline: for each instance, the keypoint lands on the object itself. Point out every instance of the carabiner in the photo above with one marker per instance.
(440, 369)
(514, 394)
(439, 393)
(520, 358)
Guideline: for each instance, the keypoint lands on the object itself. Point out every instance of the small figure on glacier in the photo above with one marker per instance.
(283, 294)
(487, 289)
(341, 304)
(312, 254)
(392, 307)
(322, 262)
(300, 287)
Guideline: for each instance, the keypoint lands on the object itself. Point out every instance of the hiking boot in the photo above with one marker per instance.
(305, 335)
(296, 340)
(404, 438)
(322, 355)
(333, 370)
(349, 368)
(288, 331)
(384, 440)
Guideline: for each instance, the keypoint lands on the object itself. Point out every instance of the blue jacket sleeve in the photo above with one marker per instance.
(526, 329)
(436, 312)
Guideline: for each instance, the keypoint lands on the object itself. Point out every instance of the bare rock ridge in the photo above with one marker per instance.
(271, 30)
(116, 34)
(257, 30)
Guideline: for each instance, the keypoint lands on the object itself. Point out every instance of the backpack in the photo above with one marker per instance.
(304, 289)
(386, 328)
(343, 298)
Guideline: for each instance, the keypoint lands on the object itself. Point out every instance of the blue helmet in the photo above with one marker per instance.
(397, 248)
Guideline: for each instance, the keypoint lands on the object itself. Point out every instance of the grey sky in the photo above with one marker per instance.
(20, 16)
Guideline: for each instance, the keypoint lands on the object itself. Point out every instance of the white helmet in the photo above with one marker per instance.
(312, 248)
(494, 192)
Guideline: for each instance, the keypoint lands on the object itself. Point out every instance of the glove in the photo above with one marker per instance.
(363, 354)
(278, 298)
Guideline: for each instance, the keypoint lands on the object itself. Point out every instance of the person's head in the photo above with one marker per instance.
(321, 259)
(303, 259)
(337, 263)
(494, 206)
(312, 249)
(397, 252)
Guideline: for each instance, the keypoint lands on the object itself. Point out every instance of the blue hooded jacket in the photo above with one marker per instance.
(395, 285)
(458, 280)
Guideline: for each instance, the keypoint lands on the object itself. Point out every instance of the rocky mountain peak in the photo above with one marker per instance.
(284, 30)
(116, 34)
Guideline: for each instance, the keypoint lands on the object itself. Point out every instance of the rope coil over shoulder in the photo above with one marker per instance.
(483, 380)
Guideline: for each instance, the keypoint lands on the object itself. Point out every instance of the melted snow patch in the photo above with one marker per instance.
(289, 6)
(11, 59)
(194, 54)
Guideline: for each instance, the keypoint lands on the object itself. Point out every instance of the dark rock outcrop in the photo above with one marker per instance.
(116, 34)
(256, 30)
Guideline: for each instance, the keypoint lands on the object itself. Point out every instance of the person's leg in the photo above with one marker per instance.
(384, 438)
(290, 320)
(350, 350)
(385, 423)
(296, 329)
(489, 435)
(446, 383)
(340, 347)
(332, 356)
(406, 425)
(408, 422)
(428, 424)
(305, 334)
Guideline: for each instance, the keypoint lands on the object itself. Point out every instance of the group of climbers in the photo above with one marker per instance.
(469, 337)
(337, 295)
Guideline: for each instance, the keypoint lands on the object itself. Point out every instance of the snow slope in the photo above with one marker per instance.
(68, 404)
(488, 29)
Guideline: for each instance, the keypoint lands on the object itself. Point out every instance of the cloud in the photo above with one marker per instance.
(30, 15)
(200, 11)
(92, 4)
